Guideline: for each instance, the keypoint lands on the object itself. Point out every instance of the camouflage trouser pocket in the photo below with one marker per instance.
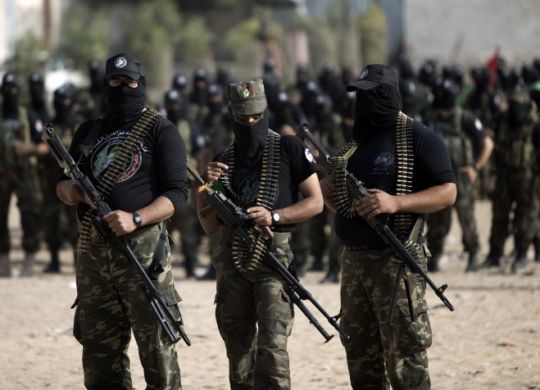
(218, 302)
(77, 333)
(286, 298)
(171, 298)
(413, 333)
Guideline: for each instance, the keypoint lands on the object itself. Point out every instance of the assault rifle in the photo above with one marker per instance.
(234, 216)
(357, 189)
(172, 326)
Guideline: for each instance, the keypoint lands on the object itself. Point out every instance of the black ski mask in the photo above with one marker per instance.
(249, 140)
(126, 103)
(378, 101)
(173, 114)
(376, 110)
(10, 105)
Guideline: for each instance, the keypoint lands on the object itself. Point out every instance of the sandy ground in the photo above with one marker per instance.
(491, 340)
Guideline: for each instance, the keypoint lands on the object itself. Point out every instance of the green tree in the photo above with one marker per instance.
(151, 33)
(373, 31)
(193, 43)
(84, 34)
(243, 43)
(29, 55)
(322, 43)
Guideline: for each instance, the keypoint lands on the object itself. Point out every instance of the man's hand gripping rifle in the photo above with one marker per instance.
(357, 189)
(234, 216)
(172, 326)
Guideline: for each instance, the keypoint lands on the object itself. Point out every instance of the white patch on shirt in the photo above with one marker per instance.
(478, 124)
(309, 156)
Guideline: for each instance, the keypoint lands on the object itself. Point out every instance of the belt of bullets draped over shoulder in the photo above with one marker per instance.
(249, 258)
(404, 151)
(122, 157)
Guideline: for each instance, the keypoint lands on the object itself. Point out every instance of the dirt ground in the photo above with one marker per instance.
(490, 341)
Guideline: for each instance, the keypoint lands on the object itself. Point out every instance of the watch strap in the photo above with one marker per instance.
(137, 219)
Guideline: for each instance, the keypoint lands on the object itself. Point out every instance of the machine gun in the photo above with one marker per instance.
(172, 326)
(234, 216)
(357, 189)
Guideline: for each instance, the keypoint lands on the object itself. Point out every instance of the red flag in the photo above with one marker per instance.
(492, 66)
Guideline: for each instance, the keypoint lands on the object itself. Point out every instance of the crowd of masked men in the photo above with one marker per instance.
(487, 118)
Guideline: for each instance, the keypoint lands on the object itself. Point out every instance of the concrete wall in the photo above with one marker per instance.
(468, 31)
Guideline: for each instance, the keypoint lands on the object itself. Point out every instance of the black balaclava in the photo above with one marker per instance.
(173, 112)
(199, 92)
(519, 107)
(376, 111)
(445, 94)
(126, 103)
(409, 95)
(62, 108)
(174, 105)
(10, 97)
(249, 140)
(323, 115)
(10, 104)
(215, 99)
(37, 91)
(96, 76)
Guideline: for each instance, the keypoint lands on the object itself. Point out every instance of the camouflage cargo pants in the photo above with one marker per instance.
(378, 352)
(301, 245)
(317, 235)
(23, 183)
(112, 304)
(514, 191)
(185, 220)
(440, 221)
(255, 318)
(56, 228)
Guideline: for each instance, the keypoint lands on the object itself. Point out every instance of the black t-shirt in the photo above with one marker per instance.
(157, 167)
(296, 165)
(536, 137)
(374, 163)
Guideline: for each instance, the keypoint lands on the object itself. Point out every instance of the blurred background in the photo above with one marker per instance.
(59, 37)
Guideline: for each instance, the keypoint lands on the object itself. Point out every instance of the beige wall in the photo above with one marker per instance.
(469, 30)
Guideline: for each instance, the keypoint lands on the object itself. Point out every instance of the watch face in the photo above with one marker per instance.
(137, 219)
(275, 216)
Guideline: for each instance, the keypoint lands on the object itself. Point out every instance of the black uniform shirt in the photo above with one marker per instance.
(374, 163)
(296, 165)
(157, 167)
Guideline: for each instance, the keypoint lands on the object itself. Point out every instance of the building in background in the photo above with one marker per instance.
(20, 17)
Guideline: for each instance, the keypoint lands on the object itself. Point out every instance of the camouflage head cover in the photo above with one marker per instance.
(247, 97)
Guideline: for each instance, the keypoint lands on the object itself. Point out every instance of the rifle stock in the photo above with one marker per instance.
(357, 189)
(172, 326)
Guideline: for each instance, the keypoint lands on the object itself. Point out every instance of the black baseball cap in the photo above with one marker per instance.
(374, 75)
(125, 65)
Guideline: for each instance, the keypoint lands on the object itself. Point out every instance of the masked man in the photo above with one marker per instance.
(262, 172)
(408, 173)
(146, 192)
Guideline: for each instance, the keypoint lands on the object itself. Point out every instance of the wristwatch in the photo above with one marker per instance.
(276, 217)
(137, 219)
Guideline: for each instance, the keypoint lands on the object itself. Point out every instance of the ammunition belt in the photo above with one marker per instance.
(249, 258)
(402, 222)
(338, 167)
(122, 158)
